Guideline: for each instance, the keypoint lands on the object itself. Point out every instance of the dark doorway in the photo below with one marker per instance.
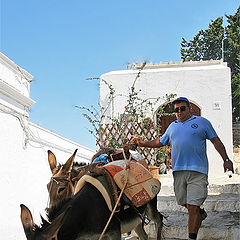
(165, 120)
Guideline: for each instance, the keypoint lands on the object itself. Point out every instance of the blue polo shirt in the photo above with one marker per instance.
(188, 143)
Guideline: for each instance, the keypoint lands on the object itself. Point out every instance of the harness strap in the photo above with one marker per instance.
(120, 195)
(53, 179)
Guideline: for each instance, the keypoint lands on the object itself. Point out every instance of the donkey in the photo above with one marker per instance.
(61, 186)
(81, 217)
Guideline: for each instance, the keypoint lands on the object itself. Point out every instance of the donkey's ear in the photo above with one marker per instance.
(52, 160)
(52, 230)
(27, 220)
(67, 167)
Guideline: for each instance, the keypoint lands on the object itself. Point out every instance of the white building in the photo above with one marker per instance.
(24, 170)
(207, 84)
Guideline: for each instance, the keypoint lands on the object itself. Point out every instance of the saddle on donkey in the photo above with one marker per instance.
(108, 178)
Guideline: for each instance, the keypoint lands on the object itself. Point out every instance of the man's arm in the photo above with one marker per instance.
(150, 144)
(222, 151)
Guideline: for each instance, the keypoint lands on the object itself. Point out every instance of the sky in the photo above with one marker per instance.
(62, 43)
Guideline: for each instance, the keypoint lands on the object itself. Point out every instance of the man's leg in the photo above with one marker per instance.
(191, 191)
(194, 220)
(196, 195)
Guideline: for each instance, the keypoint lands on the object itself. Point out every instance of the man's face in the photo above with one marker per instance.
(182, 111)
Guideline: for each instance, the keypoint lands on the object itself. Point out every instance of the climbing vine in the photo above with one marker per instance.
(138, 114)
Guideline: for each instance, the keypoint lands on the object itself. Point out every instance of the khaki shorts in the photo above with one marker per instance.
(190, 187)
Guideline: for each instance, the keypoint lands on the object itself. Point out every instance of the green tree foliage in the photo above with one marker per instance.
(207, 44)
(232, 56)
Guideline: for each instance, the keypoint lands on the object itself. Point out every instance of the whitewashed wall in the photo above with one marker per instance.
(207, 84)
(24, 169)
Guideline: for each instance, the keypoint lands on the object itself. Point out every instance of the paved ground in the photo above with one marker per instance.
(222, 205)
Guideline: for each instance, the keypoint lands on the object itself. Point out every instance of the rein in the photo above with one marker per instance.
(57, 180)
(120, 195)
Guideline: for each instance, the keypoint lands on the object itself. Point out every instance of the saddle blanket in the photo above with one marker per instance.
(141, 186)
(100, 184)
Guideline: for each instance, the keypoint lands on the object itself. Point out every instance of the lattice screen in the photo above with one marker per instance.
(118, 134)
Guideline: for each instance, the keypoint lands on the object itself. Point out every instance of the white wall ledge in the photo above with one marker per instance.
(14, 94)
(15, 68)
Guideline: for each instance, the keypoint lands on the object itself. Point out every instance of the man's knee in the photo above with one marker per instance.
(193, 209)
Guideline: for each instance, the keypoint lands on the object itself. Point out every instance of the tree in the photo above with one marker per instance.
(207, 44)
(232, 56)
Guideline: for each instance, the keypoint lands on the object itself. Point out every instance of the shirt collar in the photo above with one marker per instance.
(191, 118)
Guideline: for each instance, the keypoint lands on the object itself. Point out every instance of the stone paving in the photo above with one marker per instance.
(216, 203)
(217, 225)
(222, 207)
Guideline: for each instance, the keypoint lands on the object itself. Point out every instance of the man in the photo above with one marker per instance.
(187, 137)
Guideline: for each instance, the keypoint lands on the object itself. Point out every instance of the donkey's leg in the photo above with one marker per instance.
(114, 230)
(141, 232)
(153, 214)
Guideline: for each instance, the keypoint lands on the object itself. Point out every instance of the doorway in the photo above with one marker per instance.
(164, 121)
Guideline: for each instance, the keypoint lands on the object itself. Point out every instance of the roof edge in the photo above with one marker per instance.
(16, 68)
(180, 64)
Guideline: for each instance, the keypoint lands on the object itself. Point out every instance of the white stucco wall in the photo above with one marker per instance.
(207, 84)
(24, 170)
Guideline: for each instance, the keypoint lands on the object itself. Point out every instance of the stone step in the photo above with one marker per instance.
(217, 226)
(216, 186)
(131, 237)
(213, 189)
(136, 238)
(222, 206)
(215, 203)
(226, 188)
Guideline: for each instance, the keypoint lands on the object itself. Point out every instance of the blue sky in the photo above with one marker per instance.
(63, 42)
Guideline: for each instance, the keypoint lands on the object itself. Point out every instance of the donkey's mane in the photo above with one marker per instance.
(75, 164)
(75, 168)
(79, 164)
(51, 213)
(54, 211)
(42, 226)
(74, 171)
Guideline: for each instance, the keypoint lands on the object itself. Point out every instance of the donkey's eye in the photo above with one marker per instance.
(61, 190)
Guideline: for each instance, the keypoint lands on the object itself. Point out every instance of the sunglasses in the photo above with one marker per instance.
(182, 109)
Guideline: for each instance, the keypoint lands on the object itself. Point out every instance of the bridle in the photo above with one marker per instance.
(58, 180)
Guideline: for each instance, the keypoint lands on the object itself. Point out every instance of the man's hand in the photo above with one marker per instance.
(228, 165)
(137, 140)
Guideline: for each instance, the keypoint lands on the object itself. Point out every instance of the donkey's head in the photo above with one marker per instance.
(47, 231)
(60, 185)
